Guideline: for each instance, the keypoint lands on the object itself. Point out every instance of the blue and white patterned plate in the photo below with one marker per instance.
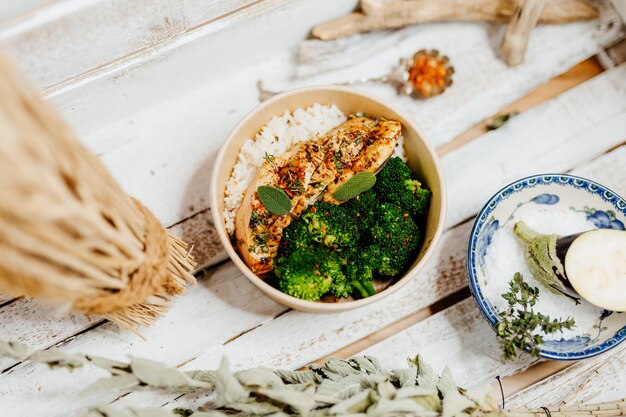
(601, 206)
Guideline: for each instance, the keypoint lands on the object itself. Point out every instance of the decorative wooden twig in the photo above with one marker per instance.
(518, 32)
(394, 14)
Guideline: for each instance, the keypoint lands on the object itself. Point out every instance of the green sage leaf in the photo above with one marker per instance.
(340, 367)
(259, 377)
(410, 392)
(356, 185)
(406, 377)
(358, 403)
(57, 359)
(454, 403)
(229, 389)
(114, 383)
(301, 402)
(254, 408)
(501, 119)
(299, 377)
(15, 350)
(386, 390)
(388, 407)
(426, 375)
(158, 375)
(334, 391)
(112, 366)
(275, 200)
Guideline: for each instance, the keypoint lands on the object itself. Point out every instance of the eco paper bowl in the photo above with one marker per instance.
(601, 206)
(421, 158)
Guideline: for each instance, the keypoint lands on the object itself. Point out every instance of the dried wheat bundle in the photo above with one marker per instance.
(69, 234)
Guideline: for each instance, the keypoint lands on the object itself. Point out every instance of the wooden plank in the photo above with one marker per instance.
(593, 380)
(576, 75)
(503, 153)
(65, 33)
(11, 11)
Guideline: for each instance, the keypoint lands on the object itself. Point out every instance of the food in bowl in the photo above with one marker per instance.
(520, 245)
(589, 264)
(318, 205)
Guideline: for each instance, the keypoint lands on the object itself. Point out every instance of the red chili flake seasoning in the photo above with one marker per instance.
(429, 73)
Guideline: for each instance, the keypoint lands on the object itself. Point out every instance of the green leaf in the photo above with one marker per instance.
(301, 402)
(204, 376)
(114, 367)
(409, 392)
(157, 375)
(387, 407)
(340, 367)
(274, 199)
(356, 185)
(57, 359)
(114, 383)
(228, 388)
(254, 408)
(355, 404)
(406, 377)
(426, 376)
(454, 403)
(501, 119)
(259, 377)
(15, 350)
(298, 377)
(335, 391)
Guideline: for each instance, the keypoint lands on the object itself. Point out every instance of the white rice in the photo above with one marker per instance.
(275, 138)
(505, 257)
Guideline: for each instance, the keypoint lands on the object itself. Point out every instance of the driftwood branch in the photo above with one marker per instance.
(520, 27)
(394, 14)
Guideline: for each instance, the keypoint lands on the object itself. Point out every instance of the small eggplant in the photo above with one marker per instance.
(590, 264)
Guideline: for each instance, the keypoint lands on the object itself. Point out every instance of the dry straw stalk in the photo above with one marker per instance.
(69, 234)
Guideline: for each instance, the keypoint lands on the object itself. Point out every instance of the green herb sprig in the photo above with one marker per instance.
(356, 185)
(275, 200)
(500, 120)
(519, 322)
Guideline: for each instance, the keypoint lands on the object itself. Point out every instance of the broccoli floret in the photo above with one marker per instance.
(394, 185)
(396, 237)
(359, 269)
(362, 208)
(295, 237)
(331, 225)
(309, 273)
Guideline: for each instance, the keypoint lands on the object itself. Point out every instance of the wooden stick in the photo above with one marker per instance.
(394, 14)
(517, 34)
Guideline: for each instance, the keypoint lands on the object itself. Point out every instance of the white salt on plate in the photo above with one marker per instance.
(505, 257)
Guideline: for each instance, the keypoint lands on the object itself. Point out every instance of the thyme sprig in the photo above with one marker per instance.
(517, 328)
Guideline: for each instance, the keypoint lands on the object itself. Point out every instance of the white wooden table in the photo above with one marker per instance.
(154, 86)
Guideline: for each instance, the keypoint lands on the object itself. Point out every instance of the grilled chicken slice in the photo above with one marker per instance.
(370, 158)
(303, 173)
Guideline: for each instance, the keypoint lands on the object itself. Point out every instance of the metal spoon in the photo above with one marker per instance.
(427, 73)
